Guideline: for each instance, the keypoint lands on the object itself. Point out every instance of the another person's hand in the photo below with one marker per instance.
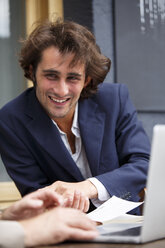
(32, 204)
(57, 225)
(77, 194)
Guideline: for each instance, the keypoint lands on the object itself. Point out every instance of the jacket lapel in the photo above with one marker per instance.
(91, 122)
(47, 135)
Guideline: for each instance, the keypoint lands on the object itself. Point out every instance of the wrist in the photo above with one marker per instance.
(92, 190)
(28, 233)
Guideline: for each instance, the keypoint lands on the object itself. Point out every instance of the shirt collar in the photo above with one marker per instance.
(75, 126)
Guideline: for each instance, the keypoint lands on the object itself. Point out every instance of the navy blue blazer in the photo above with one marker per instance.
(116, 145)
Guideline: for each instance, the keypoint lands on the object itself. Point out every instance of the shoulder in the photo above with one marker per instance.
(112, 89)
(111, 94)
(19, 100)
(17, 105)
(111, 98)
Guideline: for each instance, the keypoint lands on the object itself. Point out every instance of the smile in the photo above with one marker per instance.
(58, 100)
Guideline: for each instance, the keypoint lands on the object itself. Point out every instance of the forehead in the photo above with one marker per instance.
(51, 57)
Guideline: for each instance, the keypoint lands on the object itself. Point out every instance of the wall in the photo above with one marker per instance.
(140, 56)
(130, 42)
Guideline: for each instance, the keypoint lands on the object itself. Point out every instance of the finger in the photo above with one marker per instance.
(31, 204)
(49, 196)
(79, 234)
(82, 202)
(69, 201)
(27, 204)
(76, 200)
(81, 220)
(65, 203)
(86, 205)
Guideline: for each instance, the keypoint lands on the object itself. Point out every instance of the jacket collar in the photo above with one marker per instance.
(47, 135)
(91, 123)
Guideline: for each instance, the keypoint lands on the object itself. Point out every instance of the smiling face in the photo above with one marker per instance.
(58, 85)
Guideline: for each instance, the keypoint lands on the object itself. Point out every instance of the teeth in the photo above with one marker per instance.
(57, 100)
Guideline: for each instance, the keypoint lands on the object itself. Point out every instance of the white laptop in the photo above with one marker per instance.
(153, 226)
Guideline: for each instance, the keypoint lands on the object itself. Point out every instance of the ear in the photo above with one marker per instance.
(31, 72)
(87, 81)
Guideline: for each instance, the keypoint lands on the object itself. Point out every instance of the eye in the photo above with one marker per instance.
(51, 76)
(73, 78)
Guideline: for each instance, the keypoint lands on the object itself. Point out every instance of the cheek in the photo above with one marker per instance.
(40, 92)
(42, 85)
(78, 89)
(77, 92)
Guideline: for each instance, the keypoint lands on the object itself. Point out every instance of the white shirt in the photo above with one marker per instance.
(81, 161)
(11, 234)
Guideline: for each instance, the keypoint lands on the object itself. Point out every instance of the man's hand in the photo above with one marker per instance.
(77, 195)
(57, 225)
(32, 204)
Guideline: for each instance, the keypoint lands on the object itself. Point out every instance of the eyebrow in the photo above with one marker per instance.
(51, 70)
(74, 74)
(57, 72)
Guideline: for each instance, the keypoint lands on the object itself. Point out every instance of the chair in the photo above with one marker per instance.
(8, 194)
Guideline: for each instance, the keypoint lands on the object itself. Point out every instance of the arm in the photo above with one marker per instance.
(32, 205)
(58, 225)
(51, 227)
(36, 226)
(131, 149)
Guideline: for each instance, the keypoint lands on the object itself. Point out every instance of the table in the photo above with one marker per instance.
(154, 244)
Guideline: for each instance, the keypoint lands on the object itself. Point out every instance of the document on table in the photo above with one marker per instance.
(111, 209)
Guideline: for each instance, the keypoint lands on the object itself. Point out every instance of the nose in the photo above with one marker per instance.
(61, 88)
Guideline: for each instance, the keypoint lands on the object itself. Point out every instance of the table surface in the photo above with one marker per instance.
(154, 244)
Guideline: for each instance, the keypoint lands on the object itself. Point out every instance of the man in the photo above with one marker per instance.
(69, 132)
(26, 223)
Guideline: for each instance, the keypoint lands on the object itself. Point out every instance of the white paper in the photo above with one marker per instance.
(126, 218)
(112, 208)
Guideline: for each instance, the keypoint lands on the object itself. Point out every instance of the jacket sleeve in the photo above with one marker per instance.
(11, 234)
(132, 148)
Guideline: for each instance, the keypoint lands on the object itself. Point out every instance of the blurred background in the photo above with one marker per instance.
(130, 32)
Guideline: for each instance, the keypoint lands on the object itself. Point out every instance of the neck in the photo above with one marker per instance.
(64, 125)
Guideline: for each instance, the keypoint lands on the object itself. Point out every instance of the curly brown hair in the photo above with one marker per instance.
(68, 37)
